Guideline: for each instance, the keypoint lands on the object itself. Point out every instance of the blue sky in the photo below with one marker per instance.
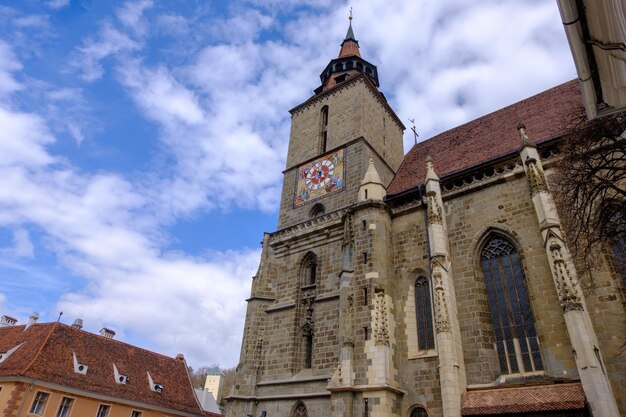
(142, 142)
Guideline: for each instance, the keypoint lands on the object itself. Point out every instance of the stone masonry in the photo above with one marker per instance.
(333, 318)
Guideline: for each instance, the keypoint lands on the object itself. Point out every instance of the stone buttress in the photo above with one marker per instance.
(581, 333)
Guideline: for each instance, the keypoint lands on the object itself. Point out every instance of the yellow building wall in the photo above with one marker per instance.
(83, 406)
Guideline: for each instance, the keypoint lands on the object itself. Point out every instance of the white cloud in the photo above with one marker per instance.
(8, 64)
(88, 59)
(131, 15)
(58, 4)
(23, 139)
(161, 95)
(23, 247)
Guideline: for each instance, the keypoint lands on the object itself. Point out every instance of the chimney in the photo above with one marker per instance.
(32, 320)
(7, 321)
(107, 333)
(78, 323)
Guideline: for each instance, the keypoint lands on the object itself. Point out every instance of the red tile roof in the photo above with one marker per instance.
(555, 397)
(46, 354)
(489, 137)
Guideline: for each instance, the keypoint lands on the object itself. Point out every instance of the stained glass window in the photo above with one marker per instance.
(423, 310)
(511, 315)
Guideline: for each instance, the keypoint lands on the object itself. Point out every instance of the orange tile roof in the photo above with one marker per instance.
(554, 397)
(349, 48)
(47, 355)
(489, 137)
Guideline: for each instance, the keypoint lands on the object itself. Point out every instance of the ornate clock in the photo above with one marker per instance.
(320, 177)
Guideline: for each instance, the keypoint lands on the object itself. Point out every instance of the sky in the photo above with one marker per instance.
(142, 142)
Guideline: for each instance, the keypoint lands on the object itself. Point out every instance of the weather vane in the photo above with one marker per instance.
(350, 17)
(415, 135)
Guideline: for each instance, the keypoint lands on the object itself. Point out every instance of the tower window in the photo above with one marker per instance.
(308, 362)
(419, 412)
(309, 269)
(317, 210)
(516, 339)
(423, 310)
(324, 129)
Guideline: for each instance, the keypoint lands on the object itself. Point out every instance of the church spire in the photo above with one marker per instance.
(347, 65)
(349, 46)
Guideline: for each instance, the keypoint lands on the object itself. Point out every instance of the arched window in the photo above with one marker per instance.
(424, 315)
(309, 269)
(419, 412)
(324, 129)
(317, 210)
(300, 410)
(511, 315)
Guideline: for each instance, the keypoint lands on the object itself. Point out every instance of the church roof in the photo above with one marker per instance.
(490, 137)
(46, 353)
(532, 399)
(349, 46)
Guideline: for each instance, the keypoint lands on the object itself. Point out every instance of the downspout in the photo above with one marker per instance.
(570, 18)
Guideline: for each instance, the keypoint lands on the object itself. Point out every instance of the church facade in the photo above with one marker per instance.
(433, 284)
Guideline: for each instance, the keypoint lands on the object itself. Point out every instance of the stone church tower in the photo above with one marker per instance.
(432, 284)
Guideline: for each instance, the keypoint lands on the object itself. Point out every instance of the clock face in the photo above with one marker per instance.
(320, 177)
(320, 174)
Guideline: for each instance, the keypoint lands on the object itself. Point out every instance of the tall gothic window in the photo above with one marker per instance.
(511, 315)
(309, 269)
(423, 310)
(324, 129)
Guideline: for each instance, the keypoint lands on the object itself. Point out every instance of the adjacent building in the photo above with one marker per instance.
(56, 370)
(433, 284)
(213, 383)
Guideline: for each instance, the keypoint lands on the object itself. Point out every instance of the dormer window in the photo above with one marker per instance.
(5, 355)
(119, 378)
(154, 386)
(79, 368)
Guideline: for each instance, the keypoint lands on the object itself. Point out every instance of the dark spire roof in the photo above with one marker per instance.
(350, 34)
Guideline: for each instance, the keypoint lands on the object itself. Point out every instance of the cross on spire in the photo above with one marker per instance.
(415, 135)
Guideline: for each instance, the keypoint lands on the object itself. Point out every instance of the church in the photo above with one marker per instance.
(436, 283)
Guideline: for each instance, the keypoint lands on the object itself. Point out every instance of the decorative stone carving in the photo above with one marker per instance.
(310, 224)
(308, 327)
(566, 286)
(381, 325)
(442, 316)
(300, 411)
(434, 211)
(536, 177)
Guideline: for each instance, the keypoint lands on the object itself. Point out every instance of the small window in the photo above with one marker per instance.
(317, 210)
(136, 413)
(103, 410)
(65, 407)
(39, 404)
(309, 269)
(419, 412)
(308, 363)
